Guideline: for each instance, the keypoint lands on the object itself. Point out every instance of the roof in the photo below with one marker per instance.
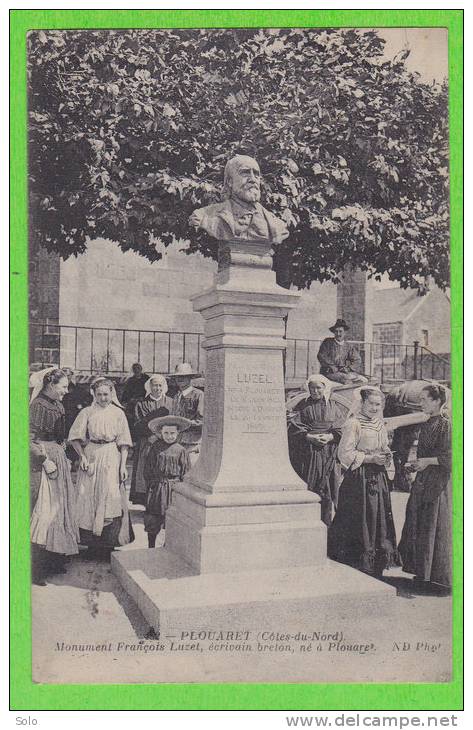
(394, 305)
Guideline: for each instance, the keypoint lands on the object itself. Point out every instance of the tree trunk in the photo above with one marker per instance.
(282, 265)
(282, 260)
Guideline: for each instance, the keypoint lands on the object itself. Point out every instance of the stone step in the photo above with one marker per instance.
(173, 597)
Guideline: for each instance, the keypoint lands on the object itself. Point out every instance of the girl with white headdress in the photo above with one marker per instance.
(54, 533)
(101, 437)
(314, 431)
(156, 403)
(96, 380)
(362, 533)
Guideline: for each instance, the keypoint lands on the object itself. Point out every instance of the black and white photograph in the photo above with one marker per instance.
(239, 355)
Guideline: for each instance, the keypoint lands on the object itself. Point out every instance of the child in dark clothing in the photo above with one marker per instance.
(166, 463)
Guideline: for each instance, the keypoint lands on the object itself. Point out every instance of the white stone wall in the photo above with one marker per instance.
(108, 288)
(316, 312)
(432, 315)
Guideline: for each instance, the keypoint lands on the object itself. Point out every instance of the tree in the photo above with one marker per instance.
(130, 131)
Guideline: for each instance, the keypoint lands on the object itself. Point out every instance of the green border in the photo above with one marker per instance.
(299, 697)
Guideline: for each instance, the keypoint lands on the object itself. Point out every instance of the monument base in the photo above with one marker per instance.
(235, 532)
(173, 597)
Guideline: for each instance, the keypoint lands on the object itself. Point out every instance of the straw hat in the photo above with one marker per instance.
(156, 423)
(184, 368)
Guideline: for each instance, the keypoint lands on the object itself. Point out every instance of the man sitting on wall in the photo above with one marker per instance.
(339, 360)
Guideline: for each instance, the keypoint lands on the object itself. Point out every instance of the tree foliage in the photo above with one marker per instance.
(130, 131)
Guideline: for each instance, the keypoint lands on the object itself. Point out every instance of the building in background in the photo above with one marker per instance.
(116, 308)
(402, 318)
(43, 303)
(401, 334)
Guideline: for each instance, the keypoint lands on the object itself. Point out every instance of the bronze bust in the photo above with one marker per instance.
(240, 215)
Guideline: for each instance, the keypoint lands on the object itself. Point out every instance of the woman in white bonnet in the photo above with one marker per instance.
(156, 403)
(314, 431)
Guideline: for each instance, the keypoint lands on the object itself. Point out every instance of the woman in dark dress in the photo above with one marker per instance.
(314, 431)
(53, 525)
(156, 403)
(425, 545)
(362, 533)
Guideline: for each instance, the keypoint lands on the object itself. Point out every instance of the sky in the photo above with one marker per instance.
(429, 49)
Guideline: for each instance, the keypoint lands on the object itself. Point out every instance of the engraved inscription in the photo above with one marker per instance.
(253, 378)
(254, 404)
(213, 390)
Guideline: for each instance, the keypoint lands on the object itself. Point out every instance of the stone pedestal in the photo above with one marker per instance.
(242, 506)
(243, 529)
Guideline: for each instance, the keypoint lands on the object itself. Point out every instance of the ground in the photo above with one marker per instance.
(87, 606)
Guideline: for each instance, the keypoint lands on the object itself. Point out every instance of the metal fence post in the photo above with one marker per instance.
(386, 363)
(416, 352)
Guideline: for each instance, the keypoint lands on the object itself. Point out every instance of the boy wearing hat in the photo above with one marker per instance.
(188, 403)
(166, 463)
(339, 360)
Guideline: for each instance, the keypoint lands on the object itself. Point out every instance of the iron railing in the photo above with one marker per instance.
(89, 350)
(113, 350)
(381, 361)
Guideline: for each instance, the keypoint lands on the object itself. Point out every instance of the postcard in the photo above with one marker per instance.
(244, 271)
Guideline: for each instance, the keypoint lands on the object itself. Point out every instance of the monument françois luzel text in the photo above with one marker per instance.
(245, 545)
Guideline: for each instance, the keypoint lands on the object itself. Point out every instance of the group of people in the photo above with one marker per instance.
(324, 441)
(94, 512)
(167, 434)
(343, 457)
